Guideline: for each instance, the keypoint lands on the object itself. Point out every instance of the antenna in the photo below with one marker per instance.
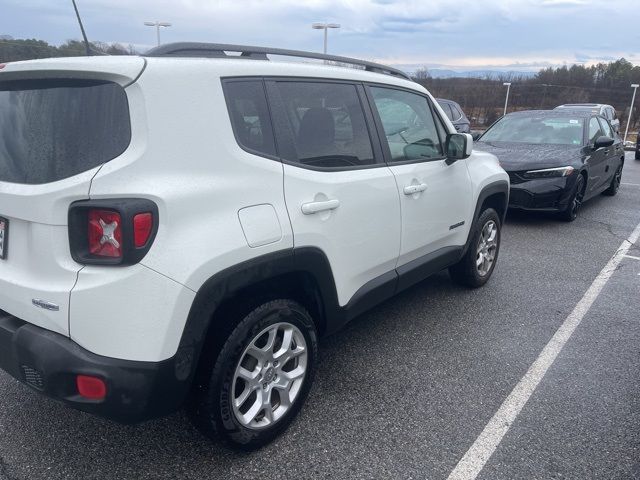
(84, 35)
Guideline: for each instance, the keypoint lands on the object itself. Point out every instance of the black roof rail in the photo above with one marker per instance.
(218, 50)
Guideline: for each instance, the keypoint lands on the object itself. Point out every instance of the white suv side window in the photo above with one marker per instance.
(409, 126)
(321, 125)
(249, 114)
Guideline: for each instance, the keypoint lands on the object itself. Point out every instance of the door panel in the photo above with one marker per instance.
(340, 195)
(597, 159)
(435, 198)
(359, 233)
(612, 153)
(428, 217)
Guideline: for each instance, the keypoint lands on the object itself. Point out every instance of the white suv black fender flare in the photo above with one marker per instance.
(494, 195)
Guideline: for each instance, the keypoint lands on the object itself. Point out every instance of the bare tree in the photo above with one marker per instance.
(422, 74)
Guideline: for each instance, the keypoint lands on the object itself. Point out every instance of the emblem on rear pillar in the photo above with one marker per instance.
(46, 305)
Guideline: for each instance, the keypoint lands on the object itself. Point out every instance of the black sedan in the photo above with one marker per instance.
(556, 160)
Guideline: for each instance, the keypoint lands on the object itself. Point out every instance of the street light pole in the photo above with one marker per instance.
(506, 100)
(325, 27)
(325, 41)
(157, 24)
(633, 99)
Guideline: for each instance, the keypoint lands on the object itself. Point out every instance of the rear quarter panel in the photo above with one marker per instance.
(185, 158)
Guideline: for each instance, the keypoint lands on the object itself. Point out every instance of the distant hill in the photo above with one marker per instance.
(485, 74)
(489, 74)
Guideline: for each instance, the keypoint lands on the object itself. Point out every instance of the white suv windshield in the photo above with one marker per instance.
(531, 129)
(53, 129)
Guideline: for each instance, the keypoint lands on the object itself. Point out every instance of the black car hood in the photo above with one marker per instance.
(529, 156)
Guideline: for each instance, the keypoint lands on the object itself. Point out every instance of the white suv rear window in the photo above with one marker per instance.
(53, 129)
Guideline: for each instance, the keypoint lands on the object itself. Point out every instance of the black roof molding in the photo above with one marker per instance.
(218, 50)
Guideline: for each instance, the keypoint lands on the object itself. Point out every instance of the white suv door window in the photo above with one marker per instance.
(326, 125)
(436, 198)
(338, 190)
(408, 125)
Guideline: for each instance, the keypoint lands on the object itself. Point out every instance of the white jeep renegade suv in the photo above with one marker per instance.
(180, 228)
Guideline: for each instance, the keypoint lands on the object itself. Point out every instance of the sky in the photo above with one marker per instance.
(518, 35)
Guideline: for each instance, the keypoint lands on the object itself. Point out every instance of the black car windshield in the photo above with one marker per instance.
(554, 130)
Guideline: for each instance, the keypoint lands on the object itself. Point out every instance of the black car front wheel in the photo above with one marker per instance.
(615, 183)
(570, 213)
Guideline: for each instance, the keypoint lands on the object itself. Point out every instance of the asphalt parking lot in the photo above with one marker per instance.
(405, 390)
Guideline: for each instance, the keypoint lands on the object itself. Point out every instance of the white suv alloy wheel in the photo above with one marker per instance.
(269, 375)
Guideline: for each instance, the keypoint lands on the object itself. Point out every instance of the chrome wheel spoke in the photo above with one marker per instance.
(247, 376)
(492, 235)
(251, 414)
(285, 400)
(284, 357)
(257, 353)
(268, 410)
(271, 340)
(287, 340)
(238, 402)
(294, 374)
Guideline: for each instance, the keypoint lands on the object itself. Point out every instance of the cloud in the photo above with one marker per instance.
(563, 3)
(465, 33)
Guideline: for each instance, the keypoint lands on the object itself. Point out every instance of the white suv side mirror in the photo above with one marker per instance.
(459, 146)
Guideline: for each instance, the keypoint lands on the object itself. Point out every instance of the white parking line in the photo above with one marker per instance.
(631, 256)
(477, 456)
(631, 184)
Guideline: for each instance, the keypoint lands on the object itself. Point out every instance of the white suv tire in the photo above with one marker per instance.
(477, 264)
(217, 408)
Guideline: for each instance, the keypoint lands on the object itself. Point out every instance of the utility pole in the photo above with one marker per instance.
(157, 24)
(506, 100)
(633, 99)
(325, 26)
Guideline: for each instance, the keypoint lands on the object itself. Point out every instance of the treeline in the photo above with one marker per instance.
(483, 99)
(613, 75)
(13, 50)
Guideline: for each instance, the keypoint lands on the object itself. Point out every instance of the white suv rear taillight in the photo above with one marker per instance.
(112, 232)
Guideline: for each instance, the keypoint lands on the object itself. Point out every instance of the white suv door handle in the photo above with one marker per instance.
(315, 207)
(411, 189)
